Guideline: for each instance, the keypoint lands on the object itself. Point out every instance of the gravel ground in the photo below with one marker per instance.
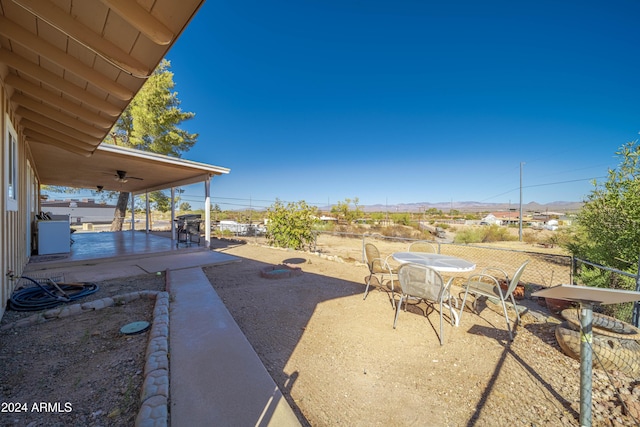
(335, 357)
(338, 360)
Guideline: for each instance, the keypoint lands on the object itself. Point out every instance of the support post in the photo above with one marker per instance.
(147, 223)
(586, 362)
(520, 221)
(635, 317)
(133, 213)
(207, 212)
(173, 213)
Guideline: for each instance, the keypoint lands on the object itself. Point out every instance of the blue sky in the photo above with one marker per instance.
(408, 101)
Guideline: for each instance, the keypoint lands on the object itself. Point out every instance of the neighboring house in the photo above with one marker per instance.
(80, 211)
(490, 220)
(552, 225)
(507, 217)
(66, 75)
(240, 229)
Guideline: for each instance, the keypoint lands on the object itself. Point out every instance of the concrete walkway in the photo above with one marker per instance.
(216, 378)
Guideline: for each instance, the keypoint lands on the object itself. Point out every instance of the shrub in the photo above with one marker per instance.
(470, 235)
(530, 237)
(291, 225)
(401, 231)
(490, 234)
(592, 276)
(496, 233)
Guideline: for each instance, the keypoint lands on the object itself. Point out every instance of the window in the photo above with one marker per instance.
(11, 166)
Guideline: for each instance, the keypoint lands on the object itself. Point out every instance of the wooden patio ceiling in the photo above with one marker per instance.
(71, 67)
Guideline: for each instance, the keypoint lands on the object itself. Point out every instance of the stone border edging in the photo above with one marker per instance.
(154, 410)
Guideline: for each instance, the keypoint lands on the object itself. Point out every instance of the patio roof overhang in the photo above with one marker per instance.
(70, 68)
(144, 171)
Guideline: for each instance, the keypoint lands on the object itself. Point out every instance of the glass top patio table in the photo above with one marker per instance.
(439, 262)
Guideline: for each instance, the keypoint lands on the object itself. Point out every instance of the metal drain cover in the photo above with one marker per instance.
(134, 328)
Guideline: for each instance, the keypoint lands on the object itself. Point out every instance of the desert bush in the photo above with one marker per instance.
(401, 218)
(490, 234)
(592, 276)
(496, 233)
(328, 226)
(470, 235)
(400, 231)
(530, 237)
(291, 225)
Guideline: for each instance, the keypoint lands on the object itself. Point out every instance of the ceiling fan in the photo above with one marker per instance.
(122, 177)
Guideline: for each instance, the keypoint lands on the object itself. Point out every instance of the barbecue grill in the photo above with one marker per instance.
(188, 227)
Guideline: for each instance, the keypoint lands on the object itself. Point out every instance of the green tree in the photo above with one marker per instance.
(184, 206)
(291, 225)
(433, 212)
(608, 225)
(343, 210)
(215, 209)
(378, 216)
(401, 218)
(150, 123)
(160, 201)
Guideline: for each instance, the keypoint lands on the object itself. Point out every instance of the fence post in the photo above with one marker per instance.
(635, 318)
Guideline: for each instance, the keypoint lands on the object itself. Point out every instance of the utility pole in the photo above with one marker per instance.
(520, 228)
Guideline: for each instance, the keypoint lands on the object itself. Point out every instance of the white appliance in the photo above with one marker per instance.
(54, 237)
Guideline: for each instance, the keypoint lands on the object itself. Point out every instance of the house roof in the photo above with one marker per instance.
(144, 171)
(74, 203)
(506, 214)
(70, 69)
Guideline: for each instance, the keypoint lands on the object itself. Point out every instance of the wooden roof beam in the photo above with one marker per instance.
(32, 105)
(57, 126)
(142, 20)
(38, 73)
(28, 124)
(57, 101)
(33, 136)
(35, 44)
(58, 18)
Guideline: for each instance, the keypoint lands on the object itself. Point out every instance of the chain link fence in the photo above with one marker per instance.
(544, 269)
(591, 274)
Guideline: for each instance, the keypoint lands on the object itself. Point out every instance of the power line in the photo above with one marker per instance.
(542, 185)
(563, 182)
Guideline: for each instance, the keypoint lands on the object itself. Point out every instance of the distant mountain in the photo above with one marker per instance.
(558, 206)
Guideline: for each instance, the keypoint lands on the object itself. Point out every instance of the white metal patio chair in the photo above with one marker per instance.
(486, 285)
(424, 283)
(379, 268)
(423, 246)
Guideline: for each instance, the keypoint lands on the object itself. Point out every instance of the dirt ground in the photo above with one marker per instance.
(338, 360)
(78, 370)
(336, 357)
